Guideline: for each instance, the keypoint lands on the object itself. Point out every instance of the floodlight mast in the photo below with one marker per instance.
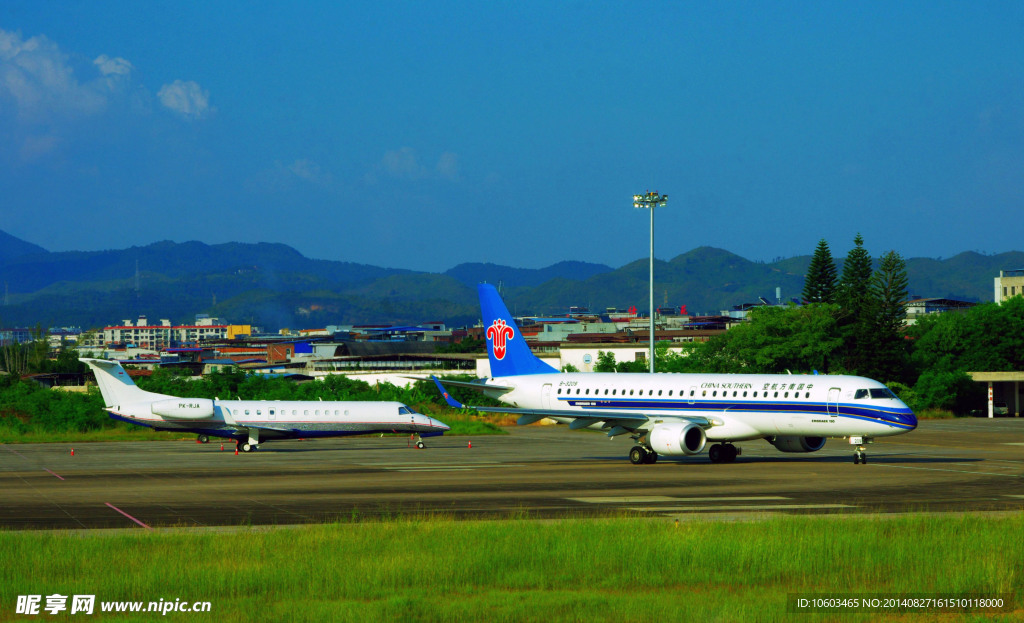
(650, 201)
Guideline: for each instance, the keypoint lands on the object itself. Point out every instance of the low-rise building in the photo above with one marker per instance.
(1009, 283)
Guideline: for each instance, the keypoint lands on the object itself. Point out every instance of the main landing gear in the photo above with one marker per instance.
(252, 444)
(203, 439)
(246, 446)
(641, 455)
(723, 453)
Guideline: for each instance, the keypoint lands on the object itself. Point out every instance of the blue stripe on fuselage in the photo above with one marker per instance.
(897, 418)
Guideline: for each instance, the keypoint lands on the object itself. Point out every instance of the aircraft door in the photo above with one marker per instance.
(545, 395)
(832, 406)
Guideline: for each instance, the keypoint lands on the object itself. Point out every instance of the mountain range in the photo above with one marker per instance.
(274, 286)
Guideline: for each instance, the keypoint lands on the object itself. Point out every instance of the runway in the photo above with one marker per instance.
(944, 466)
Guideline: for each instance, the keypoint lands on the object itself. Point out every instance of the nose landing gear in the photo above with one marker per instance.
(859, 455)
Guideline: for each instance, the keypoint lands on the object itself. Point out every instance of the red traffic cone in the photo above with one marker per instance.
(470, 444)
(236, 450)
(72, 452)
(222, 446)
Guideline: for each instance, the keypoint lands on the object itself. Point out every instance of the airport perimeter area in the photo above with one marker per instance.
(946, 466)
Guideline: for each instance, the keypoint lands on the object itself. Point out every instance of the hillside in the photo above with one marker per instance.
(274, 286)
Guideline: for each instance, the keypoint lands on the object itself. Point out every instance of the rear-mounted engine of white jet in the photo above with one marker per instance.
(184, 408)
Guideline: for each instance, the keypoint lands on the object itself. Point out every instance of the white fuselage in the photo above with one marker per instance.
(737, 406)
(285, 418)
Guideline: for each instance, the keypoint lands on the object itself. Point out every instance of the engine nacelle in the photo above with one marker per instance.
(798, 444)
(683, 438)
(183, 408)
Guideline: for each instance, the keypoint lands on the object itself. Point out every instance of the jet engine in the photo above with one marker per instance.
(798, 444)
(677, 439)
(184, 408)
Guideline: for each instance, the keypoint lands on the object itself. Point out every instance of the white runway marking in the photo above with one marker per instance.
(642, 499)
(956, 471)
(739, 507)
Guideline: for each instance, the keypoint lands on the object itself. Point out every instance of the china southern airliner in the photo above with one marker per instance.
(248, 422)
(677, 414)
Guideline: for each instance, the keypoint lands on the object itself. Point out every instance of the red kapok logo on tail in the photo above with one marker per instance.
(498, 333)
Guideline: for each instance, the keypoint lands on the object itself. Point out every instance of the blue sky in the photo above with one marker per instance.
(426, 134)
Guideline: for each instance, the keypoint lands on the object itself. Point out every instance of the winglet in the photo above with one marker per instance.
(455, 404)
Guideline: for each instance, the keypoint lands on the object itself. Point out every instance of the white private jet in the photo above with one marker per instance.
(677, 414)
(250, 421)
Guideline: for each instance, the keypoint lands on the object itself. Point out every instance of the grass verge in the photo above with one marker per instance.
(614, 569)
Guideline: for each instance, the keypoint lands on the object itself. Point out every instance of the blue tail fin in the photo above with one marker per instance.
(506, 348)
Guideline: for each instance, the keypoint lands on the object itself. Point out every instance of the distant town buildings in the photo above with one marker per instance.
(1009, 283)
(142, 334)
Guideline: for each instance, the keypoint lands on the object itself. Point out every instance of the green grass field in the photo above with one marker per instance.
(612, 569)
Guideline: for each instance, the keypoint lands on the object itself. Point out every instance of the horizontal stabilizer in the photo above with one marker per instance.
(479, 385)
(455, 404)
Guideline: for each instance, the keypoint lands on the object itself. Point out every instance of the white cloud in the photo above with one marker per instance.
(448, 166)
(311, 171)
(37, 77)
(35, 147)
(404, 164)
(113, 66)
(186, 98)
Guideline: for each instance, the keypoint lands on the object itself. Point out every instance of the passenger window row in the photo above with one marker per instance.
(704, 393)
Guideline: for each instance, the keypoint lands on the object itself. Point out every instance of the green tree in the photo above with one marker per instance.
(947, 390)
(854, 299)
(988, 337)
(888, 295)
(774, 340)
(820, 282)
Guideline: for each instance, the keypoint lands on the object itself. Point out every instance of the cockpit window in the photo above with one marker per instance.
(884, 392)
(404, 411)
(860, 394)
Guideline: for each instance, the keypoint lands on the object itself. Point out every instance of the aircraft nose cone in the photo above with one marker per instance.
(439, 425)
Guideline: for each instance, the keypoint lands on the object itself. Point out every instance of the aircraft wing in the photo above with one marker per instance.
(478, 385)
(618, 421)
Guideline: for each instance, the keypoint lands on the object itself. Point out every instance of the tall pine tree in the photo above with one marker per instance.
(820, 282)
(855, 321)
(888, 292)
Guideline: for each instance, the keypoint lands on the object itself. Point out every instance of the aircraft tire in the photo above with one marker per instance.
(246, 447)
(730, 452)
(715, 453)
(420, 445)
(204, 439)
(652, 457)
(637, 455)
